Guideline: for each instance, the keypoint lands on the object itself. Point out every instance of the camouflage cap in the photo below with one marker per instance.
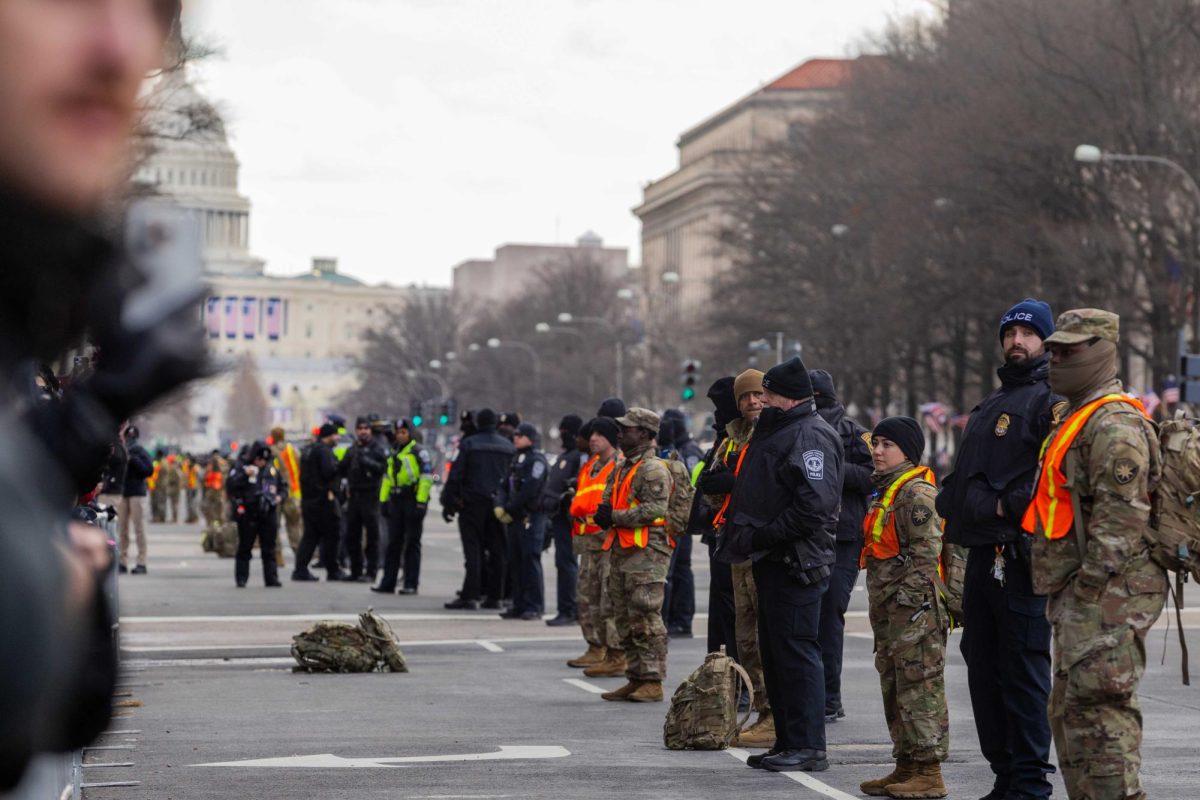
(640, 418)
(1083, 324)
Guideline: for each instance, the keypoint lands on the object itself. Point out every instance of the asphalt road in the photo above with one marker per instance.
(208, 682)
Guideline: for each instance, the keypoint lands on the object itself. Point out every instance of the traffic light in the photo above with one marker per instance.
(415, 413)
(444, 414)
(691, 376)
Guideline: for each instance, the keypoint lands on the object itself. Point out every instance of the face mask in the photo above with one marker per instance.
(1086, 372)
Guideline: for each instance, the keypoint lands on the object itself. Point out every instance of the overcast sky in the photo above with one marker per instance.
(406, 136)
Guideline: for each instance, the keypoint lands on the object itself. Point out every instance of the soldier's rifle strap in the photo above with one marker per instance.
(1177, 593)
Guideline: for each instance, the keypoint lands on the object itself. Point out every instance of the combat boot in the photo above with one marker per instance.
(760, 734)
(647, 692)
(926, 782)
(904, 770)
(613, 666)
(594, 655)
(622, 693)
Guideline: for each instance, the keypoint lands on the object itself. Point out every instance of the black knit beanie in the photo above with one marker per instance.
(612, 408)
(907, 435)
(789, 379)
(606, 427)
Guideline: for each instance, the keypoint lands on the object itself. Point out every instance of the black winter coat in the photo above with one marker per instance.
(481, 466)
(521, 491)
(998, 458)
(140, 467)
(318, 473)
(364, 466)
(786, 498)
(856, 473)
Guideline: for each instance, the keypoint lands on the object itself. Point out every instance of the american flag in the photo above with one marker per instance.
(249, 317)
(1170, 395)
(935, 415)
(231, 320)
(1151, 401)
(274, 318)
(212, 315)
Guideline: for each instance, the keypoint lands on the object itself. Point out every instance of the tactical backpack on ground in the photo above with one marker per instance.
(703, 713)
(225, 540)
(679, 505)
(1174, 534)
(369, 646)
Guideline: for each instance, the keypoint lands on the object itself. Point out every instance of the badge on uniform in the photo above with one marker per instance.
(1058, 411)
(521, 458)
(1002, 425)
(814, 464)
(866, 437)
(920, 515)
(562, 463)
(1124, 470)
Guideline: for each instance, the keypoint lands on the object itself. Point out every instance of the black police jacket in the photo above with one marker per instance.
(521, 491)
(856, 472)
(786, 498)
(364, 466)
(560, 483)
(256, 494)
(998, 457)
(479, 469)
(114, 471)
(318, 473)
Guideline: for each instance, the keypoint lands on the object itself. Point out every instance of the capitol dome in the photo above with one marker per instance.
(191, 162)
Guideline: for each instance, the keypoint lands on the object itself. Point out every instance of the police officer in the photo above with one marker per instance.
(318, 505)
(1090, 517)
(783, 513)
(856, 488)
(363, 467)
(556, 502)
(255, 490)
(518, 506)
(1006, 639)
(404, 498)
(679, 606)
(479, 469)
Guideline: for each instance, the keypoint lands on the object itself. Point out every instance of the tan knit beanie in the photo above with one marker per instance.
(748, 381)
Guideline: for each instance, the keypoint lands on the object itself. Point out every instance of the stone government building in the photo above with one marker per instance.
(301, 329)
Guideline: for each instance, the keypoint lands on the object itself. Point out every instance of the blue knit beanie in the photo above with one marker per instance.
(1032, 314)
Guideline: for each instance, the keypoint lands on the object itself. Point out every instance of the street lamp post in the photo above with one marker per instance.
(567, 318)
(495, 344)
(1091, 154)
(546, 327)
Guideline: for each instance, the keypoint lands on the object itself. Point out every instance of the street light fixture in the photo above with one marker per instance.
(1089, 154)
(450, 356)
(565, 317)
(671, 277)
(542, 327)
(435, 364)
(493, 343)
(839, 230)
(625, 294)
(474, 347)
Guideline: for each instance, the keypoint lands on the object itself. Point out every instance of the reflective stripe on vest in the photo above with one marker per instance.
(630, 537)
(719, 519)
(292, 465)
(879, 528)
(587, 498)
(1051, 504)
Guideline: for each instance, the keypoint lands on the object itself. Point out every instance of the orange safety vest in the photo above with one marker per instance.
(213, 479)
(879, 528)
(630, 537)
(192, 472)
(292, 466)
(1051, 505)
(588, 494)
(719, 519)
(152, 481)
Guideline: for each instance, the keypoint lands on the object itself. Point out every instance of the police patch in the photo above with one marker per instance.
(1124, 470)
(920, 515)
(814, 465)
(1002, 425)
(1058, 411)
(539, 469)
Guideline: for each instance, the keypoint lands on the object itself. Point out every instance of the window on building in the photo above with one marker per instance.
(308, 330)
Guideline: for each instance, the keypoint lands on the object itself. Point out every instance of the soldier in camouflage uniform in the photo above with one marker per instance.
(1088, 518)
(172, 483)
(901, 550)
(634, 509)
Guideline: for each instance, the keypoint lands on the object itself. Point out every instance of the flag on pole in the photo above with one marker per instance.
(231, 318)
(249, 317)
(274, 318)
(212, 316)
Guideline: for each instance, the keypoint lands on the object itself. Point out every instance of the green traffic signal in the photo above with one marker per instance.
(688, 393)
(417, 420)
(444, 419)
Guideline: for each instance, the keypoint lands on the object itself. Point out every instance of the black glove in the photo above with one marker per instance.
(603, 516)
(447, 515)
(716, 482)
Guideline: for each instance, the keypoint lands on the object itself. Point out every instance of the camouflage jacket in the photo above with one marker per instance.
(910, 578)
(737, 434)
(1112, 467)
(651, 488)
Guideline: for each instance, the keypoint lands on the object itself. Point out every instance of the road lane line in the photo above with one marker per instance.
(805, 779)
(491, 647)
(202, 648)
(587, 687)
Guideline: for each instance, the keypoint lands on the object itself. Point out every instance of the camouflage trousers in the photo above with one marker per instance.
(745, 623)
(173, 505)
(636, 583)
(594, 567)
(213, 507)
(1099, 658)
(910, 656)
(158, 505)
(290, 508)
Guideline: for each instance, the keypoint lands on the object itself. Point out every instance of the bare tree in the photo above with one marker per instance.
(246, 409)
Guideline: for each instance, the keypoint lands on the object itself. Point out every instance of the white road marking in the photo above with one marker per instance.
(200, 648)
(415, 616)
(587, 687)
(803, 778)
(491, 647)
(330, 761)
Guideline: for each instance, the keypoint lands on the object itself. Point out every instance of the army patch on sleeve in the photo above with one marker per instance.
(1124, 470)
(920, 515)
